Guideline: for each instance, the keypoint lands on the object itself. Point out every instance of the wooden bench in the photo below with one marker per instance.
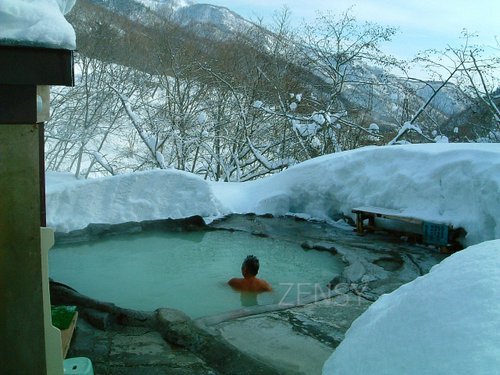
(432, 233)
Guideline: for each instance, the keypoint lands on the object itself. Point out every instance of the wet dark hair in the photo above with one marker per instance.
(252, 264)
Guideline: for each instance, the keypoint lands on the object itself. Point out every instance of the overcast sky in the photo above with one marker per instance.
(423, 24)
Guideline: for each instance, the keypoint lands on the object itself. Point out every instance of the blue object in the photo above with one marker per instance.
(435, 234)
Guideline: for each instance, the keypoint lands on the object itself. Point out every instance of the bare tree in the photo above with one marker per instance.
(473, 74)
(334, 54)
(82, 119)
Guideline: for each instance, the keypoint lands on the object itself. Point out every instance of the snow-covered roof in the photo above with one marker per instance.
(38, 23)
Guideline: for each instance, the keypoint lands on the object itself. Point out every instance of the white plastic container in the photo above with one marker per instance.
(78, 366)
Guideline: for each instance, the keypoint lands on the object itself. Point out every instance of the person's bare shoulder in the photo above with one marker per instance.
(234, 282)
(265, 286)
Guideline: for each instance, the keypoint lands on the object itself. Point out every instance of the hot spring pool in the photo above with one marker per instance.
(189, 270)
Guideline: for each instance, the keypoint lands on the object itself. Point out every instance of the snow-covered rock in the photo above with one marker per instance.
(446, 322)
(160, 194)
(37, 23)
(441, 139)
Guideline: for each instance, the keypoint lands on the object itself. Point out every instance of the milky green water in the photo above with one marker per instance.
(189, 271)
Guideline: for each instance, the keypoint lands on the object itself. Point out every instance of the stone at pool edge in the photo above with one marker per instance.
(99, 319)
(320, 246)
(337, 281)
(125, 350)
(95, 231)
(178, 328)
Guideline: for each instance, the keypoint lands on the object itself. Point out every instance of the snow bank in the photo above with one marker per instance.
(458, 184)
(40, 23)
(73, 204)
(446, 322)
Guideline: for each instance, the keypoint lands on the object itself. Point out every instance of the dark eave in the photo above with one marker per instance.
(36, 66)
(22, 69)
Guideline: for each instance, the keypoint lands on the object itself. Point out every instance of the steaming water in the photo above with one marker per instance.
(189, 271)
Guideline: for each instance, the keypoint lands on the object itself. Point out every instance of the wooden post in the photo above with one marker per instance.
(21, 295)
(29, 343)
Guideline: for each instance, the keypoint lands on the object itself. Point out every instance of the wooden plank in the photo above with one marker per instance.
(406, 219)
(67, 334)
(386, 213)
(376, 210)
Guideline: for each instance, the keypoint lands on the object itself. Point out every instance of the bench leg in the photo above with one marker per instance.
(371, 223)
(359, 223)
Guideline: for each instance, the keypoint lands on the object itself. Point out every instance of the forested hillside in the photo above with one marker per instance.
(235, 101)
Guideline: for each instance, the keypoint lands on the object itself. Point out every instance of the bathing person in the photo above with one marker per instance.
(249, 282)
(248, 299)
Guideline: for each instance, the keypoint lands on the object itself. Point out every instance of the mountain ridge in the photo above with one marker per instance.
(211, 29)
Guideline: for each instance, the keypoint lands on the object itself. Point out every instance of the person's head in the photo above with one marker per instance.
(250, 266)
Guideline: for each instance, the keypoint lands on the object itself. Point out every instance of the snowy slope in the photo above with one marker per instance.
(208, 14)
(452, 183)
(173, 5)
(457, 184)
(221, 20)
(445, 322)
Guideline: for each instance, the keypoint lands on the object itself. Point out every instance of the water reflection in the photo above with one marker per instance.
(248, 299)
(164, 269)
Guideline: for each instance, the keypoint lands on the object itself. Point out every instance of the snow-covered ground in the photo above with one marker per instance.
(442, 323)
(445, 322)
(40, 23)
(457, 184)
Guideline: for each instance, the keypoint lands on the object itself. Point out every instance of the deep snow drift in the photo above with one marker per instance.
(38, 23)
(446, 322)
(159, 194)
(457, 184)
